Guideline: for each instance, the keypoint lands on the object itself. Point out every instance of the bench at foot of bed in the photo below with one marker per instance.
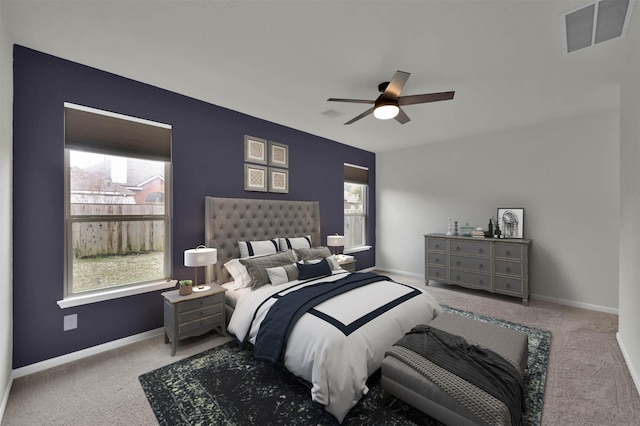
(466, 404)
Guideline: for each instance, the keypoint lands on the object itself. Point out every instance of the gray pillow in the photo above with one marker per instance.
(257, 266)
(313, 253)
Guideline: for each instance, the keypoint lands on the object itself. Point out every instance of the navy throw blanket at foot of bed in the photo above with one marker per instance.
(479, 366)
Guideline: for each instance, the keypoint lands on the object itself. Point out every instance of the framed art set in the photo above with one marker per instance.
(511, 222)
(266, 164)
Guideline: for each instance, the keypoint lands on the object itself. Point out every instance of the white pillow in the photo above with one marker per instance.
(257, 248)
(239, 273)
(294, 243)
(282, 274)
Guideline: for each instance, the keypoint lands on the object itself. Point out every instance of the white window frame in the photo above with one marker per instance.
(364, 214)
(71, 299)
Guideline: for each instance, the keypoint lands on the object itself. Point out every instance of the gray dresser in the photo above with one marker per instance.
(494, 265)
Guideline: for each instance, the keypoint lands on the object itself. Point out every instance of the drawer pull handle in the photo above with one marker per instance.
(480, 251)
(508, 269)
(480, 266)
(457, 248)
(508, 285)
(458, 277)
(437, 274)
(481, 282)
(437, 245)
(508, 253)
(457, 263)
(437, 260)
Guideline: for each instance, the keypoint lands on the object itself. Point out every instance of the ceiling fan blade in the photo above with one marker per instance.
(402, 118)
(355, 101)
(428, 97)
(395, 85)
(363, 115)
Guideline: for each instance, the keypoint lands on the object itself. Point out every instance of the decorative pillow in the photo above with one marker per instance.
(257, 248)
(294, 243)
(257, 266)
(313, 270)
(282, 274)
(332, 260)
(312, 253)
(239, 273)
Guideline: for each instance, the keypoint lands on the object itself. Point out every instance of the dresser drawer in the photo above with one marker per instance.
(508, 268)
(437, 244)
(437, 273)
(509, 251)
(508, 285)
(212, 321)
(201, 313)
(436, 258)
(479, 264)
(478, 248)
(198, 303)
(471, 279)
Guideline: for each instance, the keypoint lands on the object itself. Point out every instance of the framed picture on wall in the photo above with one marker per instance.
(511, 222)
(255, 150)
(278, 154)
(255, 178)
(278, 180)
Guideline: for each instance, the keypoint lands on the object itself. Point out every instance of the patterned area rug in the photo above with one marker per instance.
(226, 385)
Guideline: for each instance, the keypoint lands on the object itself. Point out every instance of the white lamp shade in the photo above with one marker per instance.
(335, 240)
(385, 112)
(200, 256)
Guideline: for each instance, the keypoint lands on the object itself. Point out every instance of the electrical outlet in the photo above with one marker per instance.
(70, 322)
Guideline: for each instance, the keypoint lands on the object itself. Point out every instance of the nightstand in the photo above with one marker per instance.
(193, 315)
(347, 262)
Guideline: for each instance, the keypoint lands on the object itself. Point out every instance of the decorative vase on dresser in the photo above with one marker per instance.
(490, 264)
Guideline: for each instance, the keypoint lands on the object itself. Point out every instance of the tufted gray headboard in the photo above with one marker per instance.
(229, 220)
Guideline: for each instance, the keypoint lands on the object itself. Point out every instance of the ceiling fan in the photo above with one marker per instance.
(389, 102)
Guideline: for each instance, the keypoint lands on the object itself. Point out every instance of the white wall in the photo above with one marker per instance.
(6, 309)
(628, 335)
(564, 173)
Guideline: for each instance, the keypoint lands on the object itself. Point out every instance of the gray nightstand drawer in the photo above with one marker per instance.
(479, 264)
(471, 279)
(509, 285)
(198, 324)
(436, 258)
(437, 244)
(508, 268)
(478, 248)
(510, 251)
(201, 313)
(437, 273)
(197, 303)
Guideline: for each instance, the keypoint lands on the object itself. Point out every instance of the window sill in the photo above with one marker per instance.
(356, 249)
(85, 299)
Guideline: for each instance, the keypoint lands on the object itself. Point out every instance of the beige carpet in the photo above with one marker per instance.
(587, 380)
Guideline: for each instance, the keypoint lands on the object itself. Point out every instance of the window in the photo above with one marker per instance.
(355, 206)
(118, 227)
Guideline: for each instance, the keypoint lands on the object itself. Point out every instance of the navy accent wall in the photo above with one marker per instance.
(208, 160)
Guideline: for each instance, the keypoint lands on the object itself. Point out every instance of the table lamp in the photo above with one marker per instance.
(197, 257)
(335, 241)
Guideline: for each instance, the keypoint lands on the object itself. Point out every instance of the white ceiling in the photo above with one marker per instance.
(281, 60)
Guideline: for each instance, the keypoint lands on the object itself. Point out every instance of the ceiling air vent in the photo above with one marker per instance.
(595, 23)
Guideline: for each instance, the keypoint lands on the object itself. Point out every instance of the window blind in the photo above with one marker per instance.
(356, 174)
(93, 130)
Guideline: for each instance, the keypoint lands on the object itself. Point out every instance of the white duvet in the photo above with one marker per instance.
(336, 365)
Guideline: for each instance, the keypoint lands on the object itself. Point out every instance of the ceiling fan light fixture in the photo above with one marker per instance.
(386, 111)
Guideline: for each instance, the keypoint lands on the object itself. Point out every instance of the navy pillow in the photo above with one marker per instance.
(307, 271)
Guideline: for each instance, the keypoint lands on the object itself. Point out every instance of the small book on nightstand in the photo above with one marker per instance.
(342, 258)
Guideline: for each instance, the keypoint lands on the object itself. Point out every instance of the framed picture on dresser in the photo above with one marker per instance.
(511, 222)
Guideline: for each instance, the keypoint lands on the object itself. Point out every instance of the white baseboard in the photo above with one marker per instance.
(589, 306)
(627, 360)
(74, 356)
(566, 302)
(5, 398)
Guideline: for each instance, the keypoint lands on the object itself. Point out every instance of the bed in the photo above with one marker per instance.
(340, 341)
